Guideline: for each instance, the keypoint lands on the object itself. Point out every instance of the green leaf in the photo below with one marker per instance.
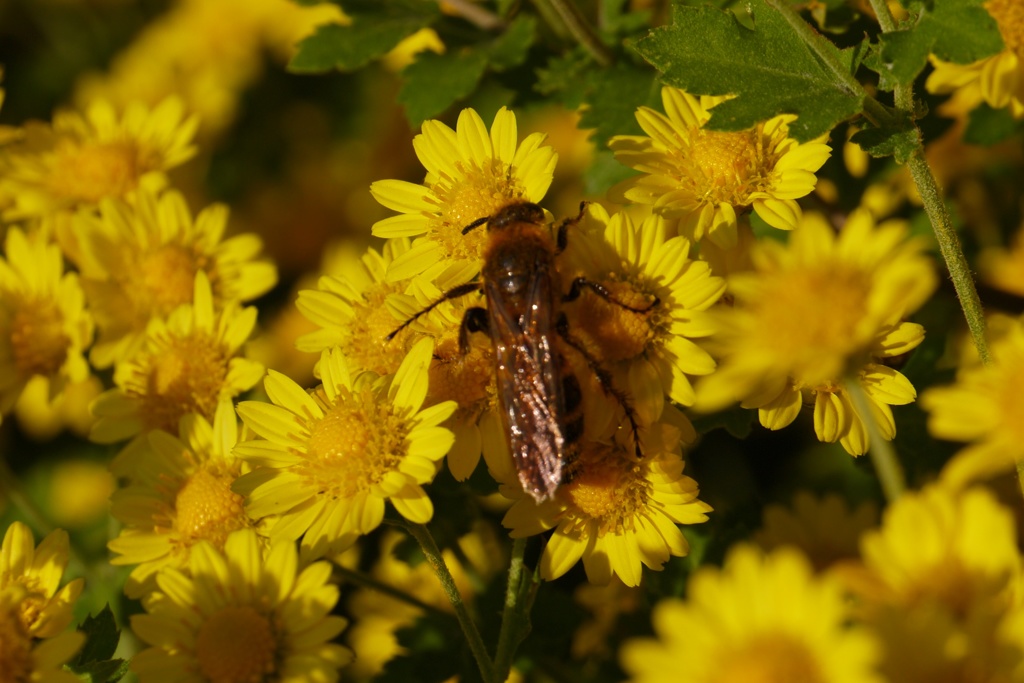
(565, 75)
(770, 70)
(434, 82)
(897, 141)
(107, 671)
(988, 126)
(612, 98)
(101, 637)
(959, 31)
(736, 421)
(377, 26)
(510, 48)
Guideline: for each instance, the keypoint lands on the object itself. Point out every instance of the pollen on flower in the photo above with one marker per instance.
(615, 333)
(186, 377)
(771, 658)
(38, 341)
(355, 444)
(237, 645)
(468, 380)
(207, 508)
(483, 191)
(607, 487)
(91, 172)
(366, 344)
(1009, 14)
(731, 163)
(163, 280)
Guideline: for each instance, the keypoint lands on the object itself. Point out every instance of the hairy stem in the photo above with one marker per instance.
(577, 26)
(511, 618)
(469, 629)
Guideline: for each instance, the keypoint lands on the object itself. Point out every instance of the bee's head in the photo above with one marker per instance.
(519, 212)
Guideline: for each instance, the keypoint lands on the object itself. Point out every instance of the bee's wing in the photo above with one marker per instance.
(529, 385)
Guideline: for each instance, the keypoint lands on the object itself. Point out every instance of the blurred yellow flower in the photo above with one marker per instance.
(983, 407)
(241, 615)
(940, 580)
(139, 262)
(824, 528)
(42, 419)
(180, 494)
(615, 511)
(998, 81)
(818, 313)
(25, 659)
(79, 492)
(651, 353)
(42, 606)
(759, 618)
(84, 158)
(189, 364)
(706, 178)
(44, 327)
(329, 459)
(471, 173)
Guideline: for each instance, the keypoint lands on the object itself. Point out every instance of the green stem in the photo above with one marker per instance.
(475, 14)
(511, 619)
(885, 18)
(469, 629)
(949, 245)
(576, 24)
(883, 456)
(365, 581)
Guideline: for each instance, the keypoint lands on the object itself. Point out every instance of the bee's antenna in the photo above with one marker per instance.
(475, 224)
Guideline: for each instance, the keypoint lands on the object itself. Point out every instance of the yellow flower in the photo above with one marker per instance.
(331, 459)
(651, 353)
(825, 529)
(615, 511)
(42, 419)
(241, 616)
(759, 618)
(25, 659)
(139, 262)
(998, 81)
(44, 327)
(189, 364)
(180, 495)
(44, 611)
(1003, 267)
(82, 159)
(983, 407)
(351, 310)
(941, 577)
(816, 314)
(471, 173)
(705, 178)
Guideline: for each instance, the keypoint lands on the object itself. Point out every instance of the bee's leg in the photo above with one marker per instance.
(604, 378)
(562, 239)
(453, 293)
(597, 288)
(473, 320)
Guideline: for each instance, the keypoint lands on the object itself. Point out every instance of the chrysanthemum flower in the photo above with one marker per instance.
(983, 407)
(82, 159)
(651, 353)
(942, 576)
(825, 529)
(44, 327)
(998, 81)
(759, 618)
(24, 659)
(329, 460)
(189, 364)
(43, 607)
(180, 495)
(139, 262)
(705, 178)
(616, 511)
(818, 313)
(351, 312)
(471, 173)
(241, 616)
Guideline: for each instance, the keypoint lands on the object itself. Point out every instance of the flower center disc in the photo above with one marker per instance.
(617, 332)
(481, 192)
(1009, 14)
(775, 658)
(15, 650)
(89, 173)
(163, 280)
(236, 645)
(38, 340)
(187, 377)
(208, 508)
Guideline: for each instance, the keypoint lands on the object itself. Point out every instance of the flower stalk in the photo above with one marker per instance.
(883, 455)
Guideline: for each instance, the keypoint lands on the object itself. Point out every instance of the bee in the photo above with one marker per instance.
(540, 400)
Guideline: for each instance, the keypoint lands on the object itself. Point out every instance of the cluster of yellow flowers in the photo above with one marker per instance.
(710, 288)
